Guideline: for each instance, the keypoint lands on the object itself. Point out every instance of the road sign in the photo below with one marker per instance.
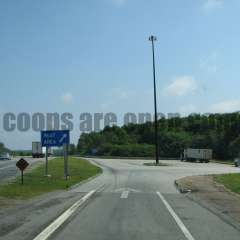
(22, 164)
(55, 138)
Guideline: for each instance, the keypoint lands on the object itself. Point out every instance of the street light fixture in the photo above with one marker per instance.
(153, 39)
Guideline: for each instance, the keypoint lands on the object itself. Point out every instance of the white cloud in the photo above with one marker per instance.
(212, 4)
(67, 98)
(226, 106)
(181, 86)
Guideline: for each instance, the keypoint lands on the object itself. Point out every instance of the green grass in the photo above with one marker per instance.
(35, 183)
(230, 181)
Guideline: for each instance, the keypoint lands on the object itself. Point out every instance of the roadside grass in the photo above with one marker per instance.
(230, 181)
(35, 183)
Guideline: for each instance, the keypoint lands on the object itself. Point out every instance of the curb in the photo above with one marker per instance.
(181, 189)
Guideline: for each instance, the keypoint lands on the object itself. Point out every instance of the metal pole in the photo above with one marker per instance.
(152, 39)
(65, 147)
(46, 164)
(22, 176)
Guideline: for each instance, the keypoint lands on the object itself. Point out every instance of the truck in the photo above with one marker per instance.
(37, 150)
(50, 151)
(237, 162)
(194, 155)
(5, 156)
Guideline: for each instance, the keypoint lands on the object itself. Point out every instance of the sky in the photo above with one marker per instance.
(94, 56)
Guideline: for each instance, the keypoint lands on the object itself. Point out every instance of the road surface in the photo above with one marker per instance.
(132, 201)
(140, 202)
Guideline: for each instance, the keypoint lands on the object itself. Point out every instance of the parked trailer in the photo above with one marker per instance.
(237, 162)
(37, 150)
(194, 155)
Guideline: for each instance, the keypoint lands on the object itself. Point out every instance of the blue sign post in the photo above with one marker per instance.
(56, 138)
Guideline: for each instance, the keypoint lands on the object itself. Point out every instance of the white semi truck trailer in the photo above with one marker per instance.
(37, 150)
(194, 155)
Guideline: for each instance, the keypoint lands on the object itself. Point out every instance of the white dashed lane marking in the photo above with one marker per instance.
(124, 194)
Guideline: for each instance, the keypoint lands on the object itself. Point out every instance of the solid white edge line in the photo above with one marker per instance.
(62, 218)
(179, 222)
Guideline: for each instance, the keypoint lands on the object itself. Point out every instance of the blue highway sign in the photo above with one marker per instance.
(55, 138)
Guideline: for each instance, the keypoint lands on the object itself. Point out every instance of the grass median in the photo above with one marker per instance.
(230, 181)
(35, 183)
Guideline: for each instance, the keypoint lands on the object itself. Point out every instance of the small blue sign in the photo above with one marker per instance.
(55, 138)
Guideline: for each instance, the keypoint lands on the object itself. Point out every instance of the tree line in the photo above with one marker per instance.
(219, 132)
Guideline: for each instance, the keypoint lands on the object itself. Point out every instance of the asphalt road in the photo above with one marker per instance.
(140, 202)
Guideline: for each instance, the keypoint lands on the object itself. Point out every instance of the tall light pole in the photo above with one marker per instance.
(153, 39)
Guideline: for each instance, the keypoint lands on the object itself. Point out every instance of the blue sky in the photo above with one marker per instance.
(94, 56)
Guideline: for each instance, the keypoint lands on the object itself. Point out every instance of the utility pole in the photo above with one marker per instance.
(153, 39)
(46, 163)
